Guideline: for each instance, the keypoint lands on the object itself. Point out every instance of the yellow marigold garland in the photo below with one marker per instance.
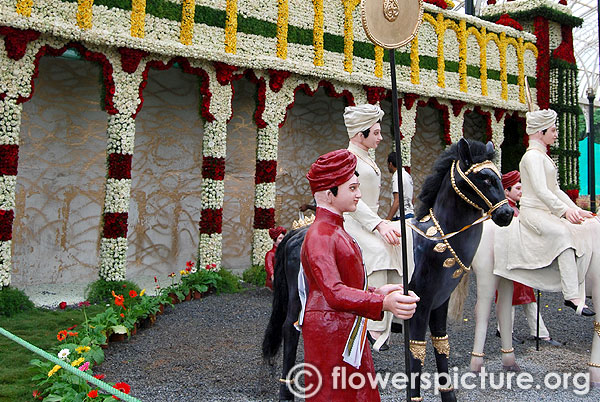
(378, 61)
(231, 26)
(84, 13)
(318, 32)
(282, 28)
(186, 34)
(138, 17)
(349, 6)
(488, 37)
(462, 56)
(24, 7)
(414, 61)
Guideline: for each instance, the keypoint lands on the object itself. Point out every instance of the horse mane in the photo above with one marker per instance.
(441, 168)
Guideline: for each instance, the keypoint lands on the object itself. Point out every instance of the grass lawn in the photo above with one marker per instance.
(38, 327)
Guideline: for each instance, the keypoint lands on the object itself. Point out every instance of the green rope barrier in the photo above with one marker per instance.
(106, 387)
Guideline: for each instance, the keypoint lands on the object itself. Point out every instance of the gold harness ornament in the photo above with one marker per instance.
(441, 345)
(418, 349)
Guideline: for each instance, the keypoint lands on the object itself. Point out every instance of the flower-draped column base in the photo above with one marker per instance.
(10, 124)
(127, 77)
(214, 151)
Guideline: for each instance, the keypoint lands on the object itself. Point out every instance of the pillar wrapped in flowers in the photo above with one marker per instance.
(214, 150)
(124, 84)
(10, 112)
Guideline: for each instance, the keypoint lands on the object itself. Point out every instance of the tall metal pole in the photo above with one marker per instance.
(396, 128)
(591, 149)
(470, 8)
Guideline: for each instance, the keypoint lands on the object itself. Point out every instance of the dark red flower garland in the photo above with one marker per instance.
(9, 159)
(211, 221)
(16, 41)
(565, 50)
(266, 172)
(119, 166)
(375, 94)
(457, 106)
(506, 20)
(213, 168)
(409, 100)
(115, 225)
(433, 102)
(540, 30)
(261, 96)
(440, 3)
(6, 221)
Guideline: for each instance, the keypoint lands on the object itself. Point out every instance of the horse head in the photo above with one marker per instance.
(477, 180)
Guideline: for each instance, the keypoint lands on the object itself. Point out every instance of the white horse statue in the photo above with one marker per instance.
(491, 278)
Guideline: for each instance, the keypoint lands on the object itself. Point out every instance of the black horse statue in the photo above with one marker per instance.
(464, 189)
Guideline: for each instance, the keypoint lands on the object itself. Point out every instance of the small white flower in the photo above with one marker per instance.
(63, 354)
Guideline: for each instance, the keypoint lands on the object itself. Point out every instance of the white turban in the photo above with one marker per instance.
(540, 120)
(361, 118)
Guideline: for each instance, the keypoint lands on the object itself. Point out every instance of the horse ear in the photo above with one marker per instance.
(464, 152)
(489, 147)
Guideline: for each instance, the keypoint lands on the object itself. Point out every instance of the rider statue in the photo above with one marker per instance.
(551, 225)
(375, 236)
(276, 234)
(339, 300)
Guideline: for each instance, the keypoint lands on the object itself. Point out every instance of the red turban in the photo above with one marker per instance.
(511, 178)
(331, 170)
(275, 232)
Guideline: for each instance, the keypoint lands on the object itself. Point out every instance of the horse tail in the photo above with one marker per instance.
(274, 331)
(458, 297)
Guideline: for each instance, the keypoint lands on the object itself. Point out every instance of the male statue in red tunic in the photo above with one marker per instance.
(339, 300)
(276, 234)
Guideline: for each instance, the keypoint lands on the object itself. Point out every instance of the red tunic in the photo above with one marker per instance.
(522, 294)
(270, 266)
(335, 274)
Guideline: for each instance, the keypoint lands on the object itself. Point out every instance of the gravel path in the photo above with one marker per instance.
(209, 350)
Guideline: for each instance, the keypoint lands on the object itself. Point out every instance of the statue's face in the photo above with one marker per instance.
(374, 138)
(551, 135)
(515, 192)
(347, 196)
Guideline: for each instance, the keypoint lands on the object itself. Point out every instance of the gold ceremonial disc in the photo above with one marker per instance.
(391, 23)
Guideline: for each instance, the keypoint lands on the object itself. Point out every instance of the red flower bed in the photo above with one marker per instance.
(119, 166)
(213, 168)
(266, 172)
(573, 194)
(211, 221)
(9, 159)
(6, 221)
(565, 50)
(115, 225)
(375, 94)
(440, 3)
(130, 59)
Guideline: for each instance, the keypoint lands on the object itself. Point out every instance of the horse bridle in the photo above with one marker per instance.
(475, 168)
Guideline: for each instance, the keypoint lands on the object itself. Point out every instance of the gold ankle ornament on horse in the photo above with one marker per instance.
(418, 350)
(441, 345)
(416, 399)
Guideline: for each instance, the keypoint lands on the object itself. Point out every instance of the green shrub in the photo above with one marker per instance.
(101, 290)
(255, 275)
(228, 282)
(13, 301)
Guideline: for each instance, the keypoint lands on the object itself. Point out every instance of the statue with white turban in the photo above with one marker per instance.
(375, 236)
(552, 228)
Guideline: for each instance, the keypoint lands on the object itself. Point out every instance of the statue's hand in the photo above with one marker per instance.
(402, 306)
(389, 288)
(389, 234)
(573, 215)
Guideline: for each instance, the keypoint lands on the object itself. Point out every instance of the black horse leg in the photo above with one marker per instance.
(418, 328)
(439, 338)
(291, 337)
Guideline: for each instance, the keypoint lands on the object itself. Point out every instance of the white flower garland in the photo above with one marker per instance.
(408, 128)
(10, 122)
(212, 193)
(121, 134)
(113, 258)
(117, 195)
(522, 5)
(261, 244)
(210, 250)
(5, 266)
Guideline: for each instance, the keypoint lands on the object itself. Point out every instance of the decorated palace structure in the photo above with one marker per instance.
(137, 135)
